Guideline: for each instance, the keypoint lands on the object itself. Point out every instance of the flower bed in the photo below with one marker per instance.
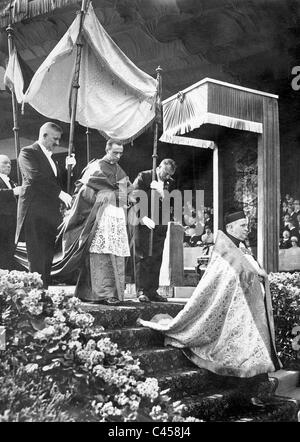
(55, 367)
(285, 290)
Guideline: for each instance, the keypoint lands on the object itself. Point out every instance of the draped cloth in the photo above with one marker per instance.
(227, 325)
(13, 78)
(210, 102)
(115, 96)
(101, 193)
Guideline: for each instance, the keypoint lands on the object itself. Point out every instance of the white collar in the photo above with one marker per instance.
(47, 152)
(5, 179)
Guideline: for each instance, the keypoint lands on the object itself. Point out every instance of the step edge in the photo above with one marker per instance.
(126, 329)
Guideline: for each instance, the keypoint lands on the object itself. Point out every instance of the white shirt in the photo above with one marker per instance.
(6, 180)
(48, 156)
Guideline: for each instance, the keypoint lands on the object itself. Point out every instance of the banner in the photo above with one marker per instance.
(13, 78)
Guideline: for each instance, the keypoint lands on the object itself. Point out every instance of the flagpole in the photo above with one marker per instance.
(10, 40)
(75, 87)
(88, 145)
(154, 154)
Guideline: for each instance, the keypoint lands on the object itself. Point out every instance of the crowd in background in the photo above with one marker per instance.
(289, 222)
(198, 227)
(198, 231)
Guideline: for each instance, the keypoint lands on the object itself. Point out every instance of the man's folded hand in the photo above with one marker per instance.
(66, 199)
(17, 190)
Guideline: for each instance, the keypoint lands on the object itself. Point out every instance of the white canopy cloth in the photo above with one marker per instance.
(115, 96)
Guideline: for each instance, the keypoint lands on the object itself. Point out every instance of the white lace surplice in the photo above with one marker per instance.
(111, 235)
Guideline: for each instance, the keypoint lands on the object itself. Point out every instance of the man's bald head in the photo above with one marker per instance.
(5, 165)
(50, 135)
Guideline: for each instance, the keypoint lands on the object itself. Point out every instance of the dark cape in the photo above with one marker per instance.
(106, 184)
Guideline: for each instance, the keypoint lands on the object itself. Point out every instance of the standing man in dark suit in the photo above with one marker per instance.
(8, 214)
(148, 267)
(39, 201)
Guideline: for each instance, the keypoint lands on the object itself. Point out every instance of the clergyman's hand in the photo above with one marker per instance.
(148, 222)
(262, 275)
(131, 198)
(66, 199)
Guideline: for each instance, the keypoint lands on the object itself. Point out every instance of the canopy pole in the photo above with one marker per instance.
(10, 39)
(88, 145)
(75, 87)
(154, 154)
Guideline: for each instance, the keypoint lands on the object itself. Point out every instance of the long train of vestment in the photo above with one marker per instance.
(227, 325)
(79, 226)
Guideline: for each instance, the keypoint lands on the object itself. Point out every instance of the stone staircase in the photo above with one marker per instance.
(207, 396)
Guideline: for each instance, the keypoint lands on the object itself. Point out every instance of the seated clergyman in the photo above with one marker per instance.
(227, 324)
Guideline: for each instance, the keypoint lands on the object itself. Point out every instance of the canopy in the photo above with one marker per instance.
(233, 106)
(114, 96)
(215, 102)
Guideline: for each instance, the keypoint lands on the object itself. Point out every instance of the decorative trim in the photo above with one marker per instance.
(233, 123)
(186, 141)
(222, 83)
(31, 9)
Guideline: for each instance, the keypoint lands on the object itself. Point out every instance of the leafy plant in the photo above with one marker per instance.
(285, 290)
(57, 367)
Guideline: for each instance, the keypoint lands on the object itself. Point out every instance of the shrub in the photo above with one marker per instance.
(285, 291)
(56, 367)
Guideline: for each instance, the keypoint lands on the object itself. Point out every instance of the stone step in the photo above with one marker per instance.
(183, 292)
(127, 314)
(287, 380)
(195, 380)
(178, 300)
(293, 393)
(212, 405)
(134, 338)
(157, 361)
(207, 396)
(226, 406)
(182, 382)
(279, 409)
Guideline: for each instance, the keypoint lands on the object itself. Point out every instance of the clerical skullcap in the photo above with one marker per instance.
(234, 216)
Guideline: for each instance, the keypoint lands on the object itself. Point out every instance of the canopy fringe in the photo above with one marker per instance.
(22, 9)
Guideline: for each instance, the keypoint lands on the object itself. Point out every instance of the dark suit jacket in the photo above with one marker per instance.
(143, 181)
(8, 218)
(8, 201)
(40, 187)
